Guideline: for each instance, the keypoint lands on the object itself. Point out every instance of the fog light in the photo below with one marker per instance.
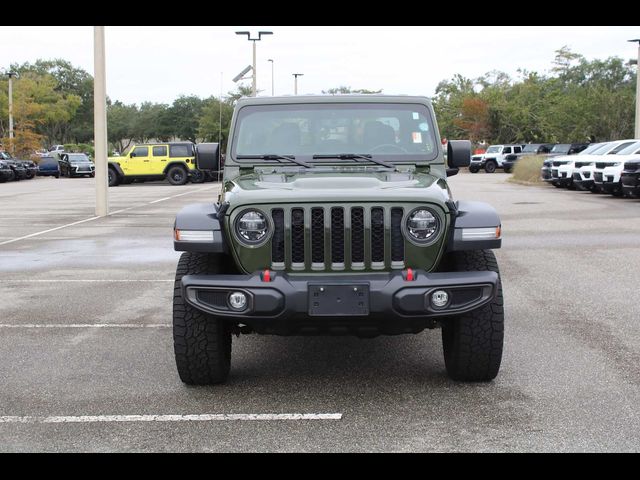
(439, 298)
(238, 301)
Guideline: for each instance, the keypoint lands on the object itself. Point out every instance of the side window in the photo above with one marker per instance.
(160, 151)
(545, 149)
(140, 152)
(180, 151)
(506, 150)
(517, 149)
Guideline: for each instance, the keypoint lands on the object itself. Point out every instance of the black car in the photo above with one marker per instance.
(567, 149)
(529, 149)
(48, 167)
(76, 165)
(6, 173)
(31, 167)
(17, 167)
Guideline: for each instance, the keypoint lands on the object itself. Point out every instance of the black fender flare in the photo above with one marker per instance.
(117, 168)
(176, 163)
(202, 217)
(474, 215)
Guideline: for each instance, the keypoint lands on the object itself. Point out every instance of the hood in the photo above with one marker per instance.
(340, 185)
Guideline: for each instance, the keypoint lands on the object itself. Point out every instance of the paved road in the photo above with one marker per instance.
(570, 379)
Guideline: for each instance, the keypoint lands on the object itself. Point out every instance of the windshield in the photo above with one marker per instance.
(592, 148)
(561, 148)
(397, 132)
(630, 150)
(494, 149)
(5, 155)
(80, 158)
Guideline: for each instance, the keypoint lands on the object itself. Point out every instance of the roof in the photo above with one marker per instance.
(362, 98)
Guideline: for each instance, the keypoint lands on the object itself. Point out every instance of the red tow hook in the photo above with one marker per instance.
(266, 276)
(409, 275)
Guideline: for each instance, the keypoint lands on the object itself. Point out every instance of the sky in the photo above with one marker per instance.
(158, 64)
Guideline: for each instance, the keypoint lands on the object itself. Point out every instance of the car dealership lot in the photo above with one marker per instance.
(87, 356)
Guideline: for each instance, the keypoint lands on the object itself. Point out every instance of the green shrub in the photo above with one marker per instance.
(527, 169)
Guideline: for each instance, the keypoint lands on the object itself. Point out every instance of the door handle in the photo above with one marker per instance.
(146, 160)
(163, 160)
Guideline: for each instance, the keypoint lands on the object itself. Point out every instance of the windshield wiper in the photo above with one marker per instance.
(273, 156)
(355, 156)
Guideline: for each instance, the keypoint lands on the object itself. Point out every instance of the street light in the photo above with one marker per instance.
(295, 88)
(637, 135)
(254, 40)
(11, 75)
(271, 60)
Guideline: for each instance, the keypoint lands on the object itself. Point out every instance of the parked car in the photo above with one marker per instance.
(49, 167)
(493, 158)
(76, 165)
(18, 168)
(583, 174)
(630, 178)
(174, 161)
(565, 166)
(608, 170)
(6, 172)
(567, 149)
(529, 149)
(56, 149)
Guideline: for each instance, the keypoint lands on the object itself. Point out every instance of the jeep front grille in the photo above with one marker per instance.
(337, 238)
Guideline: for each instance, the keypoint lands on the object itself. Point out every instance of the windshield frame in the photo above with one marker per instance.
(412, 158)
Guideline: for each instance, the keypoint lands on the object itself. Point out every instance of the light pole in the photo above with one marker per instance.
(11, 75)
(637, 134)
(100, 122)
(271, 60)
(254, 40)
(295, 87)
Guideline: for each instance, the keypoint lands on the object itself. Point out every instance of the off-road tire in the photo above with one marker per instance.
(201, 342)
(177, 175)
(474, 169)
(113, 177)
(196, 176)
(490, 166)
(508, 170)
(472, 342)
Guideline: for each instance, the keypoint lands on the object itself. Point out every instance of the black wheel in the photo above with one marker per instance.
(474, 169)
(490, 166)
(57, 175)
(113, 178)
(472, 342)
(507, 170)
(177, 175)
(201, 342)
(197, 176)
(92, 175)
(12, 177)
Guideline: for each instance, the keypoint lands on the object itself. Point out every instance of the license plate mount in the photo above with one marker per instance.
(332, 300)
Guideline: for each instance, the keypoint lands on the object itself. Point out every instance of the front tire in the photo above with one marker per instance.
(473, 342)
(113, 178)
(197, 176)
(490, 167)
(202, 342)
(177, 175)
(474, 169)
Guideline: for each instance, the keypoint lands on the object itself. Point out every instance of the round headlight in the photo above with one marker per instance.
(252, 227)
(422, 226)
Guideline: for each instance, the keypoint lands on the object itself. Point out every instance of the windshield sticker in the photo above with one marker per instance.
(424, 126)
(417, 137)
(416, 116)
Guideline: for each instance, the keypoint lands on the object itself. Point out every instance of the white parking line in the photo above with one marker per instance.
(85, 325)
(6, 242)
(206, 417)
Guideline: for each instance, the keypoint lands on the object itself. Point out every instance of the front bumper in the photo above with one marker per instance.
(20, 174)
(580, 183)
(5, 175)
(380, 297)
(631, 183)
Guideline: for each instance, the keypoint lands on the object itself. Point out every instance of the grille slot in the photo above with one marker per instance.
(277, 244)
(357, 235)
(337, 235)
(397, 240)
(297, 235)
(600, 165)
(317, 235)
(377, 234)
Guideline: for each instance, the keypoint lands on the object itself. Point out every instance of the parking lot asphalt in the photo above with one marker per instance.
(85, 314)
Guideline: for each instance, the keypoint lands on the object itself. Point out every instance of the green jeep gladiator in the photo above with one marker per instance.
(335, 218)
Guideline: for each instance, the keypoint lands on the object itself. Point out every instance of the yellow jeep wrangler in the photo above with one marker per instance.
(174, 161)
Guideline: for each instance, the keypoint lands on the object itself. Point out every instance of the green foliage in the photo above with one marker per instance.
(527, 169)
(342, 90)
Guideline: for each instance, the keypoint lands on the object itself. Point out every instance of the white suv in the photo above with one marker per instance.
(493, 158)
(607, 172)
(583, 172)
(564, 167)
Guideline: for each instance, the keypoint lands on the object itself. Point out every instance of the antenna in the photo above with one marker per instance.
(220, 127)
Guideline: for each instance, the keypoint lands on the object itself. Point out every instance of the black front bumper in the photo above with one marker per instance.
(290, 303)
(5, 175)
(630, 183)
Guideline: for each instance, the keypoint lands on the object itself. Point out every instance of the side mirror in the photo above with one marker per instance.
(132, 154)
(208, 156)
(458, 153)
